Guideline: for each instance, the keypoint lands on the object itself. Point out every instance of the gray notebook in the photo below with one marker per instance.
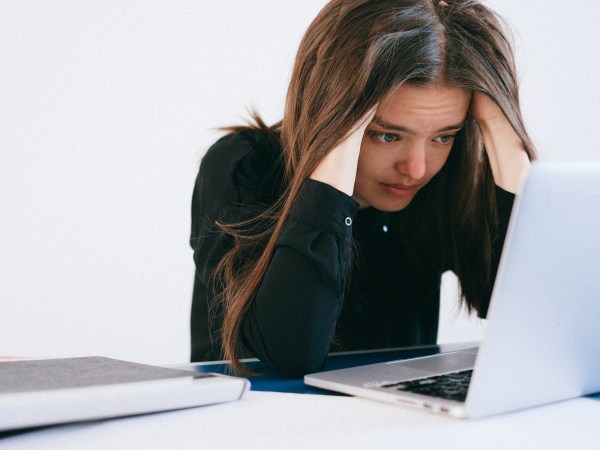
(51, 391)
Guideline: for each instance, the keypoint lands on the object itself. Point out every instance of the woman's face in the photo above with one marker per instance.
(407, 143)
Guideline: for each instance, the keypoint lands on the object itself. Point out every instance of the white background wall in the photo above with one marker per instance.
(106, 108)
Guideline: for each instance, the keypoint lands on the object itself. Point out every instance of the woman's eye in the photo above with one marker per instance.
(444, 139)
(385, 137)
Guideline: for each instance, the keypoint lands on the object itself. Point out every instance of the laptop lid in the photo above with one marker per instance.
(543, 338)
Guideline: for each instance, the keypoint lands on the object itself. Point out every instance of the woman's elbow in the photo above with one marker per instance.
(298, 365)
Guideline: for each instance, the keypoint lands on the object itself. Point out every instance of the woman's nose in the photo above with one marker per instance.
(412, 164)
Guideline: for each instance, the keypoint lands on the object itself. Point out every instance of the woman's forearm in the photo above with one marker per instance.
(506, 153)
(291, 319)
(338, 168)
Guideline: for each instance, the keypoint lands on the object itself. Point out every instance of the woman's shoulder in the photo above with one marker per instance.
(248, 157)
(243, 143)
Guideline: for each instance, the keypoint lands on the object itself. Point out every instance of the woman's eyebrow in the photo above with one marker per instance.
(390, 126)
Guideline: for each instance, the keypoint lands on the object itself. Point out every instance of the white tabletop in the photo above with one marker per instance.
(277, 420)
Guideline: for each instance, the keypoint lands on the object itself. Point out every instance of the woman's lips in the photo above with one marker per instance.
(400, 190)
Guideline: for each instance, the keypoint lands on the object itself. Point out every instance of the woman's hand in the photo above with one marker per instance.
(338, 168)
(504, 148)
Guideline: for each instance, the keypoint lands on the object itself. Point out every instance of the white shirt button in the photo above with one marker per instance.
(348, 221)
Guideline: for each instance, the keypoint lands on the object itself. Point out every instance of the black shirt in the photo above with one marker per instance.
(387, 297)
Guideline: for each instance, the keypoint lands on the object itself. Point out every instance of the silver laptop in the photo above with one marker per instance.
(542, 342)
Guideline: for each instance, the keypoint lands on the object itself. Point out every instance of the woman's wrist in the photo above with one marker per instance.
(508, 159)
(506, 153)
(338, 168)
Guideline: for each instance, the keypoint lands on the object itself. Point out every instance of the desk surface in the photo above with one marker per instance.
(281, 419)
(292, 421)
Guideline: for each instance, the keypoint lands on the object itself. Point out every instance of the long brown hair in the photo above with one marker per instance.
(351, 56)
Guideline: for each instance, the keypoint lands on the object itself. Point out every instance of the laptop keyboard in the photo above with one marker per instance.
(451, 386)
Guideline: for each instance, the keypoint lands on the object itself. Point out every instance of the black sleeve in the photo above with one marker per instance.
(504, 203)
(291, 318)
(216, 197)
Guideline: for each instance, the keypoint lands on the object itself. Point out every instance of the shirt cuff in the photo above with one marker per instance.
(324, 206)
(504, 202)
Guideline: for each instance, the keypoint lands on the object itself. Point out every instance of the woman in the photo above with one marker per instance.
(398, 157)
